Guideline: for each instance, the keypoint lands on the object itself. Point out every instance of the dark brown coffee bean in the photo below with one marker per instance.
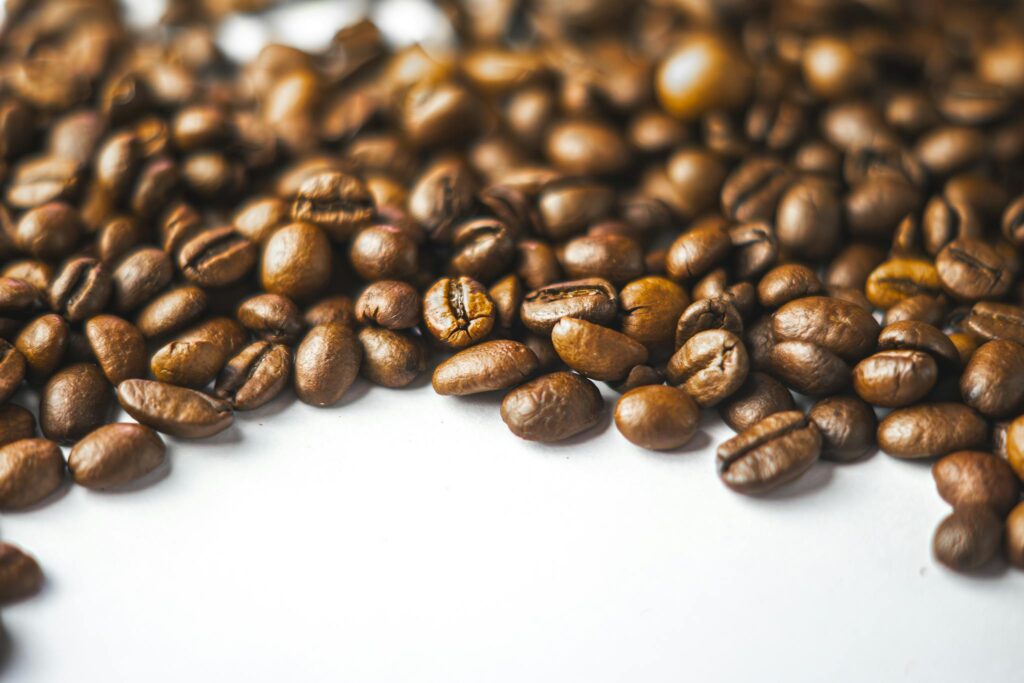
(489, 366)
(852, 266)
(808, 368)
(752, 191)
(993, 381)
(657, 417)
(12, 369)
(611, 257)
(537, 264)
(30, 470)
(785, 283)
(754, 249)
(139, 277)
(893, 379)
(760, 396)
(383, 252)
(118, 346)
(639, 376)
(971, 270)
(50, 231)
(333, 309)
(17, 296)
(596, 351)
(20, 575)
(552, 407)
(115, 455)
(1013, 221)
(713, 313)
(901, 278)
(586, 147)
(458, 312)
(874, 207)
(847, 425)
(976, 478)
(74, 401)
(484, 249)
(326, 363)
(697, 175)
(944, 221)
(808, 219)
(390, 304)
(929, 430)
(594, 300)
(43, 342)
(177, 411)
(171, 311)
(710, 366)
(699, 250)
(258, 218)
(256, 375)
(443, 195)
(117, 162)
(217, 257)
(272, 317)
(919, 336)
(296, 262)
(769, 454)
(990, 320)
(968, 539)
(81, 290)
(918, 308)
(391, 358)
(227, 334)
(845, 329)
(15, 423)
(651, 307)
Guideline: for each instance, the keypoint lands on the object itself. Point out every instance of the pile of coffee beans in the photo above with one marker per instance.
(807, 215)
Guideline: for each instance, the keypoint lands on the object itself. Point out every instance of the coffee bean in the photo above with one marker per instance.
(171, 311)
(971, 270)
(713, 313)
(43, 342)
(875, 206)
(586, 147)
(36, 182)
(697, 175)
(899, 279)
(639, 376)
(81, 290)
(118, 346)
(391, 358)
(296, 262)
(596, 351)
(991, 320)
(944, 221)
(755, 249)
(808, 368)
(326, 363)
(173, 410)
(752, 191)
(139, 277)
(1015, 446)
(968, 539)
(1013, 541)
(699, 250)
(808, 219)
(947, 149)
(703, 72)
(484, 249)
(976, 478)
(12, 369)
(49, 231)
(852, 266)
(258, 218)
(710, 366)
(838, 326)
(834, 69)
(488, 366)
(15, 423)
(594, 300)
(785, 283)
(552, 407)
(217, 258)
(929, 430)
(383, 252)
(272, 317)
(993, 381)
(255, 376)
(657, 417)
(458, 312)
(773, 452)
(892, 379)
(611, 257)
(74, 401)
(333, 309)
(507, 295)
(442, 195)
(188, 363)
(115, 455)
(760, 396)
(30, 470)
(920, 307)
(20, 575)
(847, 426)
(651, 307)
(919, 336)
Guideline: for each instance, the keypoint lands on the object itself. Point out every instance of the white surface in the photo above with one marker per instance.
(409, 537)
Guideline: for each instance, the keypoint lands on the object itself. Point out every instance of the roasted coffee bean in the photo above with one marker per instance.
(30, 470)
(256, 375)
(115, 455)
(990, 320)
(1014, 538)
(1013, 221)
(227, 334)
(458, 312)
(699, 250)
(74, 401)
(944, 221)
(1015, 446)
(703, 72)
(443, 194)
(81, 290)
(383, 252)
(760, 396)
(552, 407)
(853, 265)
(326, 363)
(42, 343)
(610, 257)
(808, 368)
(20, 575)
(594, 300)
(50, 231)
(785, 283)
(12, 369)
(15, 423)
(217, 257)
(484, 249)
(537, 264)
(929, 430)
(773, 452)
(976, 478)
(507, 295)
(296, 262)
(918, 336)
(188, 363)
(639, 376)
(752, 191)
(17, 296)
(847, 425)
(965, 344)
(118, 346)
(488, 366)
(833, 69)
(333, 309)
(171, 311)
(754, 249)
(257, 218)
(845, 329)
(177, 411)
(651, 307)
(920, 307)
(968, 539)
(697, 175)
(596, 351)
(947, 149)
(971, 270)
(874, 207)
(713, 313)
(586, 147)
(710, 366)
(893, 379)
(657, 417)
(139, 277)
(272, 317)
(389, 303)
(993, 381)
(391, 358)
(902, 278)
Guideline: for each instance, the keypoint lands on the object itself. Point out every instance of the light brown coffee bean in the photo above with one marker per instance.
(489, 366)
(181, 412)
(760, 396)
(43, 343)
(930, 430)
(596, 351)
(552, 407)
(217, 257)
(657, 417)
(976, 478)
(74, 401)
(847, 425)
(115, 455)
(20, 575)
(845, 329)
(30, 470)
(326, 363)
(893, 379)
(710, 366)
(188, 363)
(458, 312)
(391, 358)
(272, 317)
(968, 539)
(12, 369)
(296, 262)
(993, 380)
(118, 346)
(171, 311)
(255, 376)
(1014, 538)
(769, 454)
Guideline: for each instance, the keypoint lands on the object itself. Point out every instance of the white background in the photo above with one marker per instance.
(404, 536)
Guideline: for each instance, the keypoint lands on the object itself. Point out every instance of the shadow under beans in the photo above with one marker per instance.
(359, 389)
(597, 430)
(992, 571)
(229, 437)
(275, 406)
(58, 494)
(810, 483)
